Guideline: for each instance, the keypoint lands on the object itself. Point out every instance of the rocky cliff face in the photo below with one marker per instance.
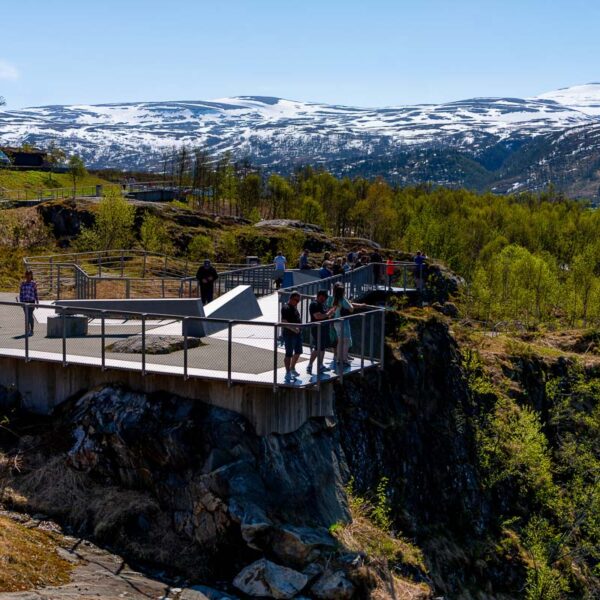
(191, 488)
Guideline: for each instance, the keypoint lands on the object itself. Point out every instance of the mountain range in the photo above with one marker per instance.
(498, 144)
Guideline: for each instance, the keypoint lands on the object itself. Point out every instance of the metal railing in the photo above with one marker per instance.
(119, 274)
(357, 283)
(235, 351)
(35, 196)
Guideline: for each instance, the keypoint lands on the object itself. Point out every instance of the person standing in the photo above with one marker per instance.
(420, 266)
(389, 271)
(28, 295)
(292, 336)
(303, 262)
(318, 314)
(342, 307)
(279, 263)
(376, 259)
(337, 268)
(325, 270)
(206, 276)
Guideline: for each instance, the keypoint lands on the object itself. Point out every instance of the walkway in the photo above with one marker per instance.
(252, 357)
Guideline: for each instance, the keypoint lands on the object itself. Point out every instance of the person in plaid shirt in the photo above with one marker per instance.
(28, 294)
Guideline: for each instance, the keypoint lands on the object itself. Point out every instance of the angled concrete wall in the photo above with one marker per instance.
(239, 304)
(181, 307)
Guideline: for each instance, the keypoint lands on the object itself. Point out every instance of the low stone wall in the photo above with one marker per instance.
(45, 385)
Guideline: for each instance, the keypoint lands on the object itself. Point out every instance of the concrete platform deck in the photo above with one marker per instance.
(254, 358)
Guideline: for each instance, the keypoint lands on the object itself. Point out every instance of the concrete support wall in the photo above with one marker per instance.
(44, 385)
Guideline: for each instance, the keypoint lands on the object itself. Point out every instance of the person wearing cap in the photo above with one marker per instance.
(206, 276)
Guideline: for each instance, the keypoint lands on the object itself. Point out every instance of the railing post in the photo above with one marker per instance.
(58, 283)
(319, 357)
(372, 338)
(275, 365)
(51, 273)
(229, 351)
(103, 341)
(128, 289)
(143, 344)
(122, 262)
(185, 347)
(64, 338)
(26, 311)
(340, 363)
(404, 269)
(382, 339)
(144, 266)
(363, 325)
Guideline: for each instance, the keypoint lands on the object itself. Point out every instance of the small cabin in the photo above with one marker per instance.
(18, 157)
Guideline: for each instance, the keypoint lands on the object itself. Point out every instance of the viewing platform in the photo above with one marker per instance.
(228, 353)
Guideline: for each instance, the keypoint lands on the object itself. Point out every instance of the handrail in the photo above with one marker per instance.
(367, 351)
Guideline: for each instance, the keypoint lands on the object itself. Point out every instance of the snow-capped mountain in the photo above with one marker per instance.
(453, 143)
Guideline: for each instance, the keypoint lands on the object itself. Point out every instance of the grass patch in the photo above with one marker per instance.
(36, 180)
(28, 559)
(392, 560)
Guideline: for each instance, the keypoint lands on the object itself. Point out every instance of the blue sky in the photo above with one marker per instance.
(366, 53)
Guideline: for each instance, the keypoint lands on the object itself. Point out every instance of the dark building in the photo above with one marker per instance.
(33, 159)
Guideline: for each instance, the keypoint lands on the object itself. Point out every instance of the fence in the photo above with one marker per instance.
(357, 283)
(122, 274)
(234, 351)
(85, 191)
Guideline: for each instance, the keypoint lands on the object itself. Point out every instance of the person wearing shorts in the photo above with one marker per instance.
(292, 336)
(318, 314)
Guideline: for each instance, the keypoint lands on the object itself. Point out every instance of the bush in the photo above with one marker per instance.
(200, 247)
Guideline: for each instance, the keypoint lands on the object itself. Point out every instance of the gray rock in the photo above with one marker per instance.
(293, 223)
(300, 545)
(333, 586)
(264, 578)
(155, 344)
(203, 592)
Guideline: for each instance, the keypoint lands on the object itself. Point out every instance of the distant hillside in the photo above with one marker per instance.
(501, 144)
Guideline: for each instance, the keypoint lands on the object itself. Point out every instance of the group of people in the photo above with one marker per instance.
(342, 264)
(323, 334)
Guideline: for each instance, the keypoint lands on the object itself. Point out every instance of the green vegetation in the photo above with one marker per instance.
(543, 477)
(154, 235)
(77, 171)
(113, 227)
(43, 180)
(370, 532)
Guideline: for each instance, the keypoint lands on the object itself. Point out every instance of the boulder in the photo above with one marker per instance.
(155, 344)
(293, 223)
(203, 592)
(264, 578)
(333, 586)
(299, 546)
(447, 308)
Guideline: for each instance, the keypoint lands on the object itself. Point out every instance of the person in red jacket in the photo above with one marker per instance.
(389, 270)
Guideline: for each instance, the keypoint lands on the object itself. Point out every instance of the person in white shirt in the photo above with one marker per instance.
(280, 263)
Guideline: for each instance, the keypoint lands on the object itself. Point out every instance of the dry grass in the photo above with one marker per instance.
(28, 559)
(387, 555)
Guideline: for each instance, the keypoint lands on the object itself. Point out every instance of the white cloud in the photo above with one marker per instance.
(8, 71)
